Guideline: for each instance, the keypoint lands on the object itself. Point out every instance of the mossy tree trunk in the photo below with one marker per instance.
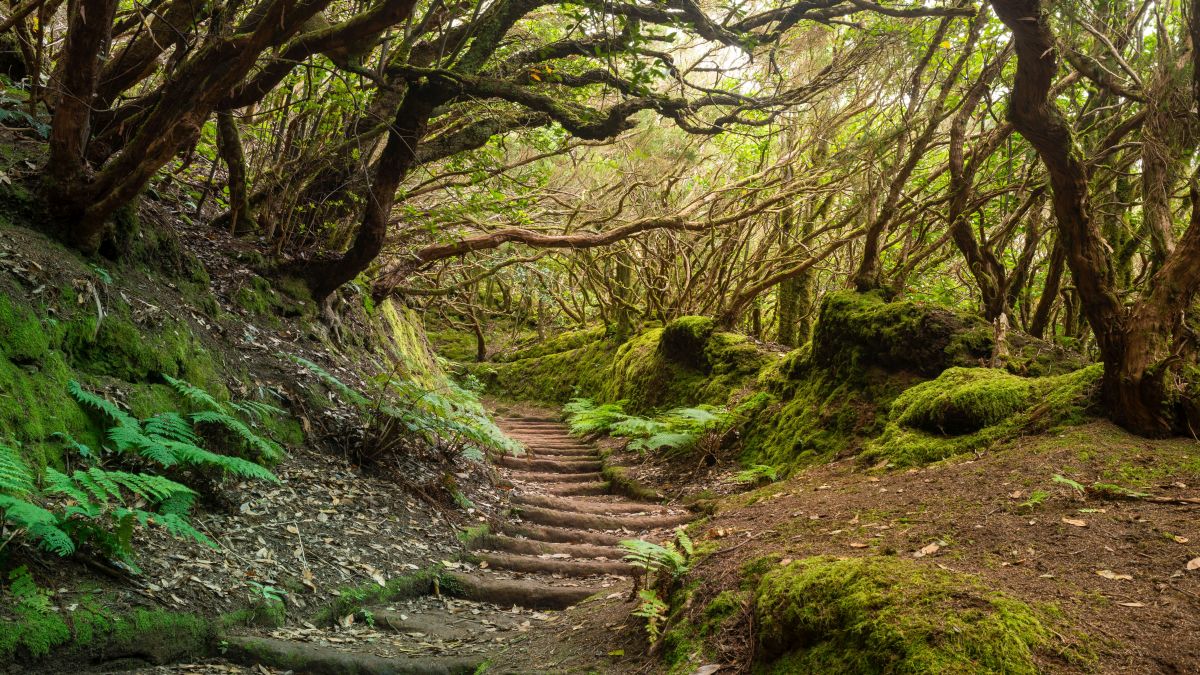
(229, 144)
(1143, 344)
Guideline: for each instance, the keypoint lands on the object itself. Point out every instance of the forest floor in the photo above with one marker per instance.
(499, 605)
(1116, 567)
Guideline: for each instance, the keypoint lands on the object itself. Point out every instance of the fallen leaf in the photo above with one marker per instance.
(928, 550)
(785, 561)
(1109, 574)
(708, 669)
(1131, 604)
(1075, 521)
(856, 544)
(1194, 564)
(1178, 539)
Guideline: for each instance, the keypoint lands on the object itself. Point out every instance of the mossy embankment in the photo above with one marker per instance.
(856, 388)
(120, 329)
(825, 614)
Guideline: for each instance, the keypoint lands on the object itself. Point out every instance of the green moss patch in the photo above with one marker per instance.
(855, 331)
(558, 343)
(684, 340)
(963, 400)
(888, 615)
(23, 339)
(553, 378)
(33, 629)
(967, 409)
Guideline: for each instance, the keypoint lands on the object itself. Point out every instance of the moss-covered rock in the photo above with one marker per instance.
(34, 405)
(888, 615)
(120, 348)
(683, 341)
(963, 400)
(23, 339)
(552, 378)
(967, 409)
(561, 342)
(855, 331)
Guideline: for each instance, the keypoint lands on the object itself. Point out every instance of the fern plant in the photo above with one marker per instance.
(660, 565)
(170, 440)
(585, 417)
(91, 507)
(674, 431)
(451, 418)
(654, 611)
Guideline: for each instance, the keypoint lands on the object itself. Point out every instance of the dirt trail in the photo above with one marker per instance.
(556, 548)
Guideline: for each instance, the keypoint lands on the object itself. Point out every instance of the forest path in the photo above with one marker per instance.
(557, 546)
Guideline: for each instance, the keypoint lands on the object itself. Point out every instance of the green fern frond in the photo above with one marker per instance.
(179, 526)
(153, 448)
(73, 444)
(100, 404)
(196, 456)
(16, 479)
(637, 426)
(172, 426)
(265, 448)
(671, 440)
(39, 524)
(256, 410)
(194, 395)
(349, 394)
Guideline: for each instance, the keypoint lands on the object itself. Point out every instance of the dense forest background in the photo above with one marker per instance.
(739, 240)
(623, 162)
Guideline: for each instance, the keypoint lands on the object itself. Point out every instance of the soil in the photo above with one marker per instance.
(1004, 517)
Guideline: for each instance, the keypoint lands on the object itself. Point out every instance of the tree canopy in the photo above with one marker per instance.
(570, 163)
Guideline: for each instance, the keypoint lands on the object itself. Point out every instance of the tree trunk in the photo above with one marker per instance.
(65, 175)
(325, 276)
(1136, 345)
(1041, 316)
(229, 144)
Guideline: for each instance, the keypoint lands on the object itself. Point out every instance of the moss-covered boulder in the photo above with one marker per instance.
(23, 339)
(963, 400)
(683, 341)
(562, 342)
(858, 331)
(966, 409)
(889, 615)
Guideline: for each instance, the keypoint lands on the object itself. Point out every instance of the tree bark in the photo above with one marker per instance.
(65, 174)
(399, 154)
(1136, 344)
(229, 144)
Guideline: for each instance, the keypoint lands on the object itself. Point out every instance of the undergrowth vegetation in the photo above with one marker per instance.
(674, 431)
(137, 476)
(401, 411)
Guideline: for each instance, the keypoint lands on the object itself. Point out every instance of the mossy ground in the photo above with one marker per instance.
(889, 615)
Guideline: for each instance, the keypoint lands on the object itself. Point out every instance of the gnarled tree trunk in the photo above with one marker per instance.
(1137, 344)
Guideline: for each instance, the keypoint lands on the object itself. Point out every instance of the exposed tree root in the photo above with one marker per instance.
(492, 542)
(550, 465)
(555, 566)
(590, 521)
(562, 535)
(506, 592)
(303, 657)
(582, 505)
